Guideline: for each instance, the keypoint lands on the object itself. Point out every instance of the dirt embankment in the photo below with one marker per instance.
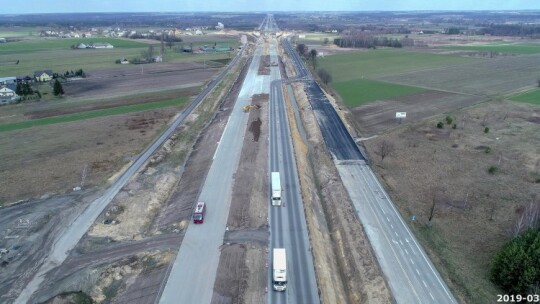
(264, 65)
(103, 284)
(245, 252)
(346, 264)
(328, 279)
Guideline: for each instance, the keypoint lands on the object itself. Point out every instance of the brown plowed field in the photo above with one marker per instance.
(138, 79)
(380, 116)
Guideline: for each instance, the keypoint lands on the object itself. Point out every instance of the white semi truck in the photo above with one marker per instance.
(279, 274)
(276, 189)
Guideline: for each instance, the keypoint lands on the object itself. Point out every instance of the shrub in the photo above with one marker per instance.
(454, 126)
(492, 169)
(440, 125)
(515, 267)
(487, 150)
(486, 130)
(449, 120)
(82, 298)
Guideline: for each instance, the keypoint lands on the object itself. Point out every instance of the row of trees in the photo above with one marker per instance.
(520, 30)
(26, 91)
(357, 39)
(164, 37)
(311, 56)
(368, 42)
(77, 73)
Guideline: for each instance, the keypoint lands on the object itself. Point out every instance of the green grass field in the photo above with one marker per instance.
(379, 63)
(19, 32)
(529, 97)
(30, 46)
(360, 91)
(499, 48)
(56, 55)
(91, 114)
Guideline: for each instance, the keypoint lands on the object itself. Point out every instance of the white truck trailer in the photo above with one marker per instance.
(276, 189)
(279, 277)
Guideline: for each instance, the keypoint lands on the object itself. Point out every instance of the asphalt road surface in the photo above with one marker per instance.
(194, 270)
(335, 134)
(410, 274)
(288, 223)
(74, 232)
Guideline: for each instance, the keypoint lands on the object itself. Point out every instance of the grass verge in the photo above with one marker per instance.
(91, 114)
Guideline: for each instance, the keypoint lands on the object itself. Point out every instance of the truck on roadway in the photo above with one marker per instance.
(276, 189)
(199, 213)
(279, 274)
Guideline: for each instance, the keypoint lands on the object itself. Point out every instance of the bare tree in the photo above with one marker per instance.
(436, 193)
(162, 43)
(432, 210)
(301, 49)
(385, 148)
(313, 57)
(149, 53)
(519, 225)
(324, 75)
(529, 217)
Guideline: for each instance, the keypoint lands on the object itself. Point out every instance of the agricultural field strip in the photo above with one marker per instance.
(476, 78)
(532, 96)
(91, 114)
(374, 64)
(500, 48)
(57, 55)
(359, 91)
(30, 46)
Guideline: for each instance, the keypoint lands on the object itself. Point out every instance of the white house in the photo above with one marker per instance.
(100, 46)
(8, 95)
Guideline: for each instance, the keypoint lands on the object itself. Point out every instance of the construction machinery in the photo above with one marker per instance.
(246, 108)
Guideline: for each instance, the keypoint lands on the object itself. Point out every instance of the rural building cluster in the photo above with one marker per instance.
(8, 85)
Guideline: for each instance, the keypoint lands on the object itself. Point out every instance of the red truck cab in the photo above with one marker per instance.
(199, 213)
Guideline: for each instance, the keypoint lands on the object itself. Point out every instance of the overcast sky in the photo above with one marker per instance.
(68, 6)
